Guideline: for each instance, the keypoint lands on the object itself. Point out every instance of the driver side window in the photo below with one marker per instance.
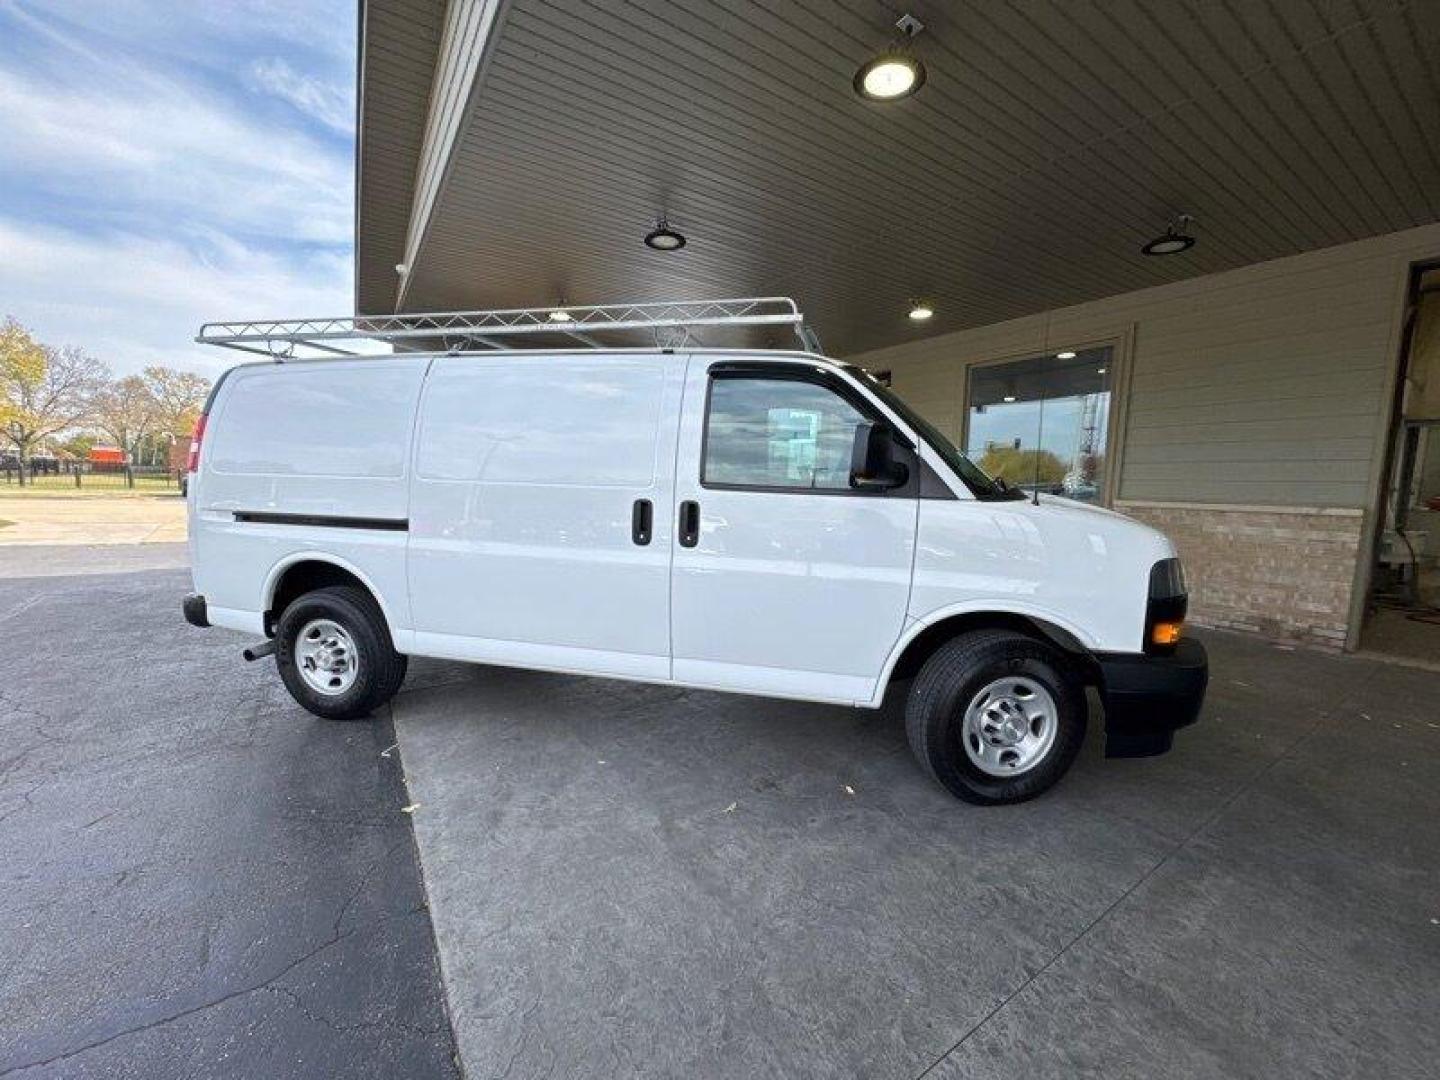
(783, 434)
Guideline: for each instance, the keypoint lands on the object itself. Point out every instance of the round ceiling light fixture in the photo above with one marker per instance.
(1176, 239)
(894, 72)
(1068, 354)
(920, 311)
(663, 237)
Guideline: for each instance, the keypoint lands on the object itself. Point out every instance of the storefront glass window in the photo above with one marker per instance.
(1042, 423)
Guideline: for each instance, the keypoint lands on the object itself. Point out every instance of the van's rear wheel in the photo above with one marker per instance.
(996, 717)
(335, 655)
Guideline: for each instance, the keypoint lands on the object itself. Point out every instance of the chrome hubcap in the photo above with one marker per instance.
(1010, 726)
(326, 657)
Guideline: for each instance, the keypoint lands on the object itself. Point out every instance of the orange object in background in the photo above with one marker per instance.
(106, 455)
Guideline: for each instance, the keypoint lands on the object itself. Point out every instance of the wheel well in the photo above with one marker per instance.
(929, 640)
(304, 577)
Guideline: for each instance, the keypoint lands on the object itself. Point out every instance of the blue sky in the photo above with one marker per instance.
(163, 164)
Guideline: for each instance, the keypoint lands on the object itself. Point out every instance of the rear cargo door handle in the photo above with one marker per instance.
(689, 523)
(642, 520)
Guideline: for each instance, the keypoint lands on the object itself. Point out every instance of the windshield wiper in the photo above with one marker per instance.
(1001, 491)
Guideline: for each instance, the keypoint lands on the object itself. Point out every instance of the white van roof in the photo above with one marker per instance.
(463, 331)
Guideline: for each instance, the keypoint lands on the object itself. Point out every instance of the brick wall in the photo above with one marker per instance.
(1284, 572)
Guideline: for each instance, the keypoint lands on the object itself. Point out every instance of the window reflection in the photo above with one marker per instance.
(1042, 423)
(778, 434)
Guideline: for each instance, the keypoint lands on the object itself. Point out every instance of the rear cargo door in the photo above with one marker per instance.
(540, 523)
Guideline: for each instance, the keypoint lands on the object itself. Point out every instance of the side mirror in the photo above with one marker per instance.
(872, 459)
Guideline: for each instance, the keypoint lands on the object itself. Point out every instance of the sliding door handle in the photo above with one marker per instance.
(642, 520)
(689, 523)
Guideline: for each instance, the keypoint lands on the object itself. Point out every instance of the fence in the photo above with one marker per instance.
(87, 475)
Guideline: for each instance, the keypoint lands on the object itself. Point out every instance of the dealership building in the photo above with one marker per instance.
(1171, 259)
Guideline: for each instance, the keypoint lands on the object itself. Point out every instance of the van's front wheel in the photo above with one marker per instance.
(334, 653)
(996, 717)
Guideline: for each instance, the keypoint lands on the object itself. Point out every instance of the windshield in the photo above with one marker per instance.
(974, 477)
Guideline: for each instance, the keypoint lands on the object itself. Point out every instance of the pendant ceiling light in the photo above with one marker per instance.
(663, 237)
(1176, 239)
(895, 72)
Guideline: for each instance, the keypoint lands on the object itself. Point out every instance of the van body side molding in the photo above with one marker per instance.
(324, 521)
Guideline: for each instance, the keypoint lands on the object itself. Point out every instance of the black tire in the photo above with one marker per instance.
(951, 679)
(380, 669)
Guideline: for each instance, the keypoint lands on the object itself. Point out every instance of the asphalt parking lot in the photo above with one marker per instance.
(198, 879)
(201, 879)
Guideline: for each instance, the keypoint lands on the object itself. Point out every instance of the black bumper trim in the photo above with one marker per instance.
(196, 612)
(1147, 698)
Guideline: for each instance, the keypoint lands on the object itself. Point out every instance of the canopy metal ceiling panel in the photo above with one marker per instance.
(1051, 140)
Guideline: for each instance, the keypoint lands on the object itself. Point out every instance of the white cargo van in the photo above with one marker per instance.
(763, 522)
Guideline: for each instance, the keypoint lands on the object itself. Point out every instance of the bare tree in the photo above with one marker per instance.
(43, 390)
(126, 411)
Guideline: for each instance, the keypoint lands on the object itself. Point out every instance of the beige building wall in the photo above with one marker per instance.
(1249, 422)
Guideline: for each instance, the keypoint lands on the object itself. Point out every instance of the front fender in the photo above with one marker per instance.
(915, 626)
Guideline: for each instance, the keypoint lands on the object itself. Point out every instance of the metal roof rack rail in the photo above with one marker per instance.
(461, 331)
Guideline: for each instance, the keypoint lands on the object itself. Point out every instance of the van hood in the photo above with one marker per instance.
(1075, 506)
(1070, 516)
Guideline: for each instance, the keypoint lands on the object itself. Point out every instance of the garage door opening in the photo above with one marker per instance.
(1403, 613)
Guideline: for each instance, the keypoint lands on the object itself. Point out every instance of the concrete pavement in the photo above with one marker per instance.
(641, 881)
(63, 519)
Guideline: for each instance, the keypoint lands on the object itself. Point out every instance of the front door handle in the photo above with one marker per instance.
(642, 520)
(689, 523)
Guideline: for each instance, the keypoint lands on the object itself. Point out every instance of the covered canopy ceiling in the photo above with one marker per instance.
(516, 153)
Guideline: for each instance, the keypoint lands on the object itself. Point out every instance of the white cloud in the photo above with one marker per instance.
(208, 30)
(326, 102)
(135, 300)
(153, 145)
(148, 188)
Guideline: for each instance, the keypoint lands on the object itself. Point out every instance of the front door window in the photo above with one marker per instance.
(782, 434)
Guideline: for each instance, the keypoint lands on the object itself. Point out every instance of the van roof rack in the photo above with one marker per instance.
(464, 331)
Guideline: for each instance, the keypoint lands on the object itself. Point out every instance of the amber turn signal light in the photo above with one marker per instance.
(1166, 633)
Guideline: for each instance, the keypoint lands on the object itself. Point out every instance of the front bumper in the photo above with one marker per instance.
(1148, 697)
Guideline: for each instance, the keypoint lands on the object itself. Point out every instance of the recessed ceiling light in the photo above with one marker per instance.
(1066, 355)
(921, 311)
(1009, 397)
(1101, 370)
(893, 73)
(1175, 240)
(663, 237)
